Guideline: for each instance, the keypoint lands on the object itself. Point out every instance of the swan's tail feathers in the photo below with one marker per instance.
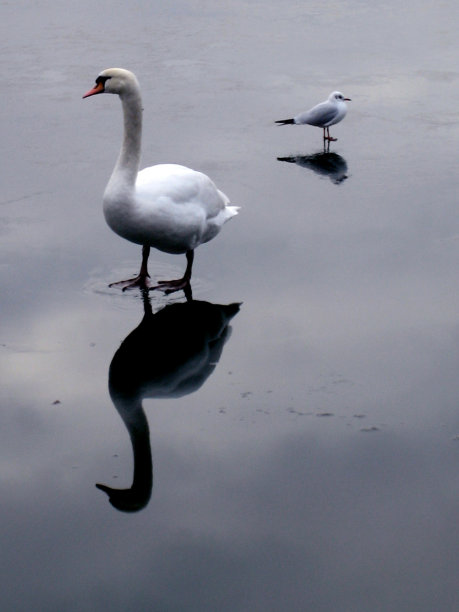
(285, 122)
(215, 224)
(232, 211)
(225, 215)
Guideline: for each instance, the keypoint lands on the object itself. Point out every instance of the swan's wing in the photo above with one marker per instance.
(186, 206)
(181, 187)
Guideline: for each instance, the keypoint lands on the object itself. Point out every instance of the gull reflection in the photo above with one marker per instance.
(170, 354)
(328, 164)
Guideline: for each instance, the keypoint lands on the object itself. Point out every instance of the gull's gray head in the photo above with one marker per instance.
(337, 96)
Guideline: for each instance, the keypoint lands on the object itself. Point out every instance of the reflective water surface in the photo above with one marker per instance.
(288, 439)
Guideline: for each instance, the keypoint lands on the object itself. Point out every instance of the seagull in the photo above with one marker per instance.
(322, 115)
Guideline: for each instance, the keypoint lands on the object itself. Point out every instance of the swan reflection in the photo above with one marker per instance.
(328, 164)
(170, 354)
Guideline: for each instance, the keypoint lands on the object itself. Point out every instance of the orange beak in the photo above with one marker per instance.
(99, 88)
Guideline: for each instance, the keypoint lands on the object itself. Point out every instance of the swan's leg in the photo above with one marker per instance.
(180, 283)
(141, 280)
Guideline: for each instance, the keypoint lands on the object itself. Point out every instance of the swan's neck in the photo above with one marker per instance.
(127, 166)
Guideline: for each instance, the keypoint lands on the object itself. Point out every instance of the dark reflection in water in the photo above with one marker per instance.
(170, 354)
(328, 164)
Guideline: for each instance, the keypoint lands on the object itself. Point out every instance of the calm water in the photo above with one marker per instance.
(300, 451)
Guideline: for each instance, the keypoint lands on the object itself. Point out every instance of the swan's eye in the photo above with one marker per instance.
(102, 79)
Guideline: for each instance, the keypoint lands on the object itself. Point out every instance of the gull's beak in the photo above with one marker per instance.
(99, 88)
(345, 99)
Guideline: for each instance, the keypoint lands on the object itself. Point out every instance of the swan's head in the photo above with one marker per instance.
(114, 80)
(337, 96)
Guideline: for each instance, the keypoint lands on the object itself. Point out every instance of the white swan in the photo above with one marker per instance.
(323, 115)
(169, 207)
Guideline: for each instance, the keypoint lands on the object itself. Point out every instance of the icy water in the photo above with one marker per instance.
(299, 448)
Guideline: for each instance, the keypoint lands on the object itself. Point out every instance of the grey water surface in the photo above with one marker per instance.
(299, 449)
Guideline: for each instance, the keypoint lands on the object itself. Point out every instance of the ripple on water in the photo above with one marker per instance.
(101, 277)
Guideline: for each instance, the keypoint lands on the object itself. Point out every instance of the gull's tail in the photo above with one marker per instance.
(285, 121)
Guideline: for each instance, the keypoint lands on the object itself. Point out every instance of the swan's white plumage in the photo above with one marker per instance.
(169, 207)
(172, 208)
